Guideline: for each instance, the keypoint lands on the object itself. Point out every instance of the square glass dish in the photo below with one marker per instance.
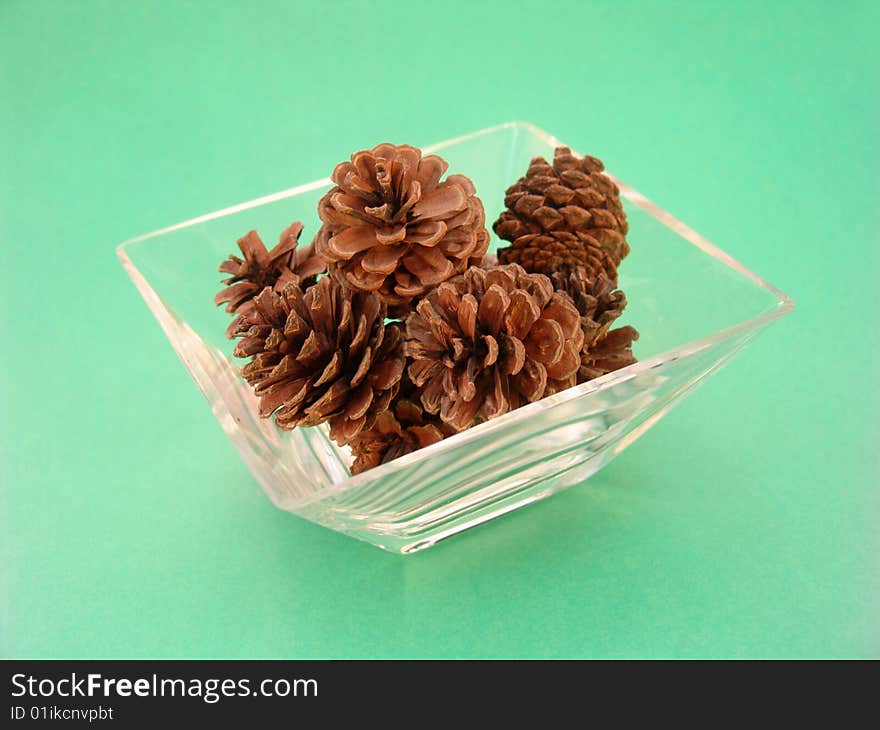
(694, 306)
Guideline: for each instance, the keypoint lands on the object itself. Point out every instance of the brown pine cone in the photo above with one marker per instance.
(391, 227)
(610, 352)
(568, 213)
(598, 300)
(400, 430)
(599, 303)
(320, 355)
(487, 342)
(277, 268)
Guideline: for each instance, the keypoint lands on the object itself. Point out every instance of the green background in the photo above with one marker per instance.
(744, 524)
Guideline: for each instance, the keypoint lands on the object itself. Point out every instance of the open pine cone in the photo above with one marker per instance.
(283, 265)
(599, 303)
(391, 227)
(400, 430)
(565, 214)
(487, 342)
(610, 352)
(598, 300)
(320, 355)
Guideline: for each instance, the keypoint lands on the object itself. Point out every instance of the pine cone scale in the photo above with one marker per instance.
(273, 398)
(331, 371)
(466, 315)
(522, 314)
(492, 308)
(545, 341)
(445, 201)
(513, 355)
(359, 403)
(531, 381)
(428, 233)
(329, 404)
(386, 374)
(351, 241)
(429, 266)
(566, 366)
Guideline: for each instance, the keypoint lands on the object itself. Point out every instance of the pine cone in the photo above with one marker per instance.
(598, 300)
(400, 430)
(610, 352)
(599, 303)
(565, 214)
(390, 226)
(320, 355)
(277, 268)
(487, 342)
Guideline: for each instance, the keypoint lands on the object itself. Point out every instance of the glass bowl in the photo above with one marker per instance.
(694, 306)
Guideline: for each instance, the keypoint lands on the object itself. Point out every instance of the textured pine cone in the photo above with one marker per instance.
(400, 430)
(390, 226)
(598, 300)
(610, 352)
(565, 214)
(599, 303)
(487, 342)
(320, 355)
(283, 265)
